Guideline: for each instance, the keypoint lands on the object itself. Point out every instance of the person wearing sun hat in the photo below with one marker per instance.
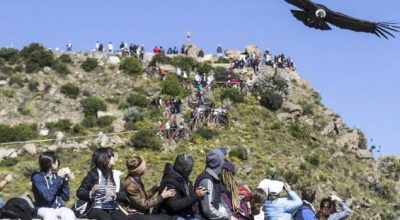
(211, 206)
(280, 208)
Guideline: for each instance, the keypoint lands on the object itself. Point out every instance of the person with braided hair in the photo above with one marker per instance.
(230, 193)
(176, 176)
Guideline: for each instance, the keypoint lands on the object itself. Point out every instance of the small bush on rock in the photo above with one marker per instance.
(8, 53)
(172, 87)
(90, 64)
(137, 100)
(232, 94)
(240, 152)
(21, 132)
(61, 68)
(105, 121)
(160, 59)
(70, 90)
(131, 66)
(65, 58)
(92, 105)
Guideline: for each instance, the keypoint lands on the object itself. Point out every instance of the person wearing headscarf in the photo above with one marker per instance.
(211, 206)
(176, 177)
(141, 201)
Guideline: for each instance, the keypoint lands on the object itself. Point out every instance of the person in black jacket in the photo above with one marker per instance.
(102, 188)
(181, 206)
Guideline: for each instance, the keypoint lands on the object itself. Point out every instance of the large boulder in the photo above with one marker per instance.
(192, 50)
(7, 153)
(253, 49)
(3, 82)
(167, 69)
(292, 108)
(30, 149)
(233, 54)
(113, 60)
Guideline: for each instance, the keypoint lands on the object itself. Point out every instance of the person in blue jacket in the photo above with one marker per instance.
(276, 208)
(307, 211)
(50, 188)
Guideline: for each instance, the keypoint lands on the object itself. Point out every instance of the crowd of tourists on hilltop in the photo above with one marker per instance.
(216, 194)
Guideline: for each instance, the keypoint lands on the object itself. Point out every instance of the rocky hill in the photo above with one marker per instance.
(278, 129)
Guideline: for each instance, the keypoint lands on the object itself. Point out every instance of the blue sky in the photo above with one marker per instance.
(357, 74)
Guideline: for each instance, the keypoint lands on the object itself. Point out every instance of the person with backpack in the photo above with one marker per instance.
(50, 188)
(307, 211)
(211, 206)
(176, 176)
(328, 210)
(102, 188)
(140, 200)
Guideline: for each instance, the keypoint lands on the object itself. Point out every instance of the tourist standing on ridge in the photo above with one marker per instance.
(101, 47)
(183, 51)
(69, 46)
(219, 50)
(97, 46)
(110, 47)
(188, 36)
(175, 50)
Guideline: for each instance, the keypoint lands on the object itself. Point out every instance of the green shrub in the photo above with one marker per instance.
(131, 66)
(36, 57)
(172, 87)
(314, 159)
(65, 58)
(222, 60)
(8, 53)
(146, 139)
(7, 70)
(132, 114)
(78, 129)
(219, 69)
(207, 133)
(90, 64)
(137, 100)
(160, 59)
(21, 132)
(240, 152)
(92, 105)
(271, 100)
(105, 121)
(61, 68)
(64, 125)
(9, 162)
(273, 89)
(186, 63)
(70, 90)
(223, 75)
(204, 68)
(8, 92)
(17, 81)
(362, 141)
(298, 131)
(33, 86)
(89, 121)
(232, 94)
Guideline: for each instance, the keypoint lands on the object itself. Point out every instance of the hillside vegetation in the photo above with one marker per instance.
(281, 130)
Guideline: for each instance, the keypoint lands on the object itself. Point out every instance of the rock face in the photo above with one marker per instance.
(233, 54)
(292, 108)
(192, 50)
(113, 60)
(350, 139)
(253, 49)
(364, 155)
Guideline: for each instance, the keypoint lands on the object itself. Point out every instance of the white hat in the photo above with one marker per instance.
(264, 185)
(275, 187)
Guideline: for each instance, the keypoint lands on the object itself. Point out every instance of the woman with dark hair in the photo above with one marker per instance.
(258, 197)
(102, 188)
(141, 201)
(50, 188)
(328, 211)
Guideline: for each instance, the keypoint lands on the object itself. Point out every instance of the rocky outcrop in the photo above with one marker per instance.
(253, 49)
(192, 50)
(364, 155)
(233, 54)
(350, 140)
(30, 149)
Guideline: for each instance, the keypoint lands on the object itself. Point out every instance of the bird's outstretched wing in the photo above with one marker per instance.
(380, 29)
(303, 4)
(310, 22)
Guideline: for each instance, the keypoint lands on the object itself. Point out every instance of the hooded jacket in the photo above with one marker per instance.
(182, 204)
(211, 206)
(49, 190)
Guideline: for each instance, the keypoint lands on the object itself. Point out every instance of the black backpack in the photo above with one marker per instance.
(17, 208)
